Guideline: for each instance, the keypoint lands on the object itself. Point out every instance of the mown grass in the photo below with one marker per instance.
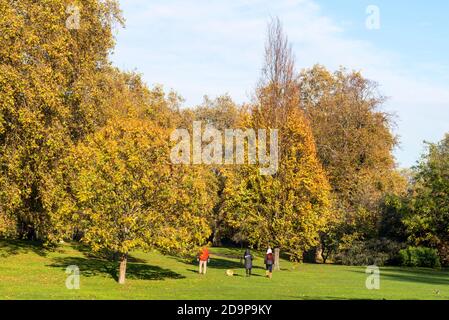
(29, 272)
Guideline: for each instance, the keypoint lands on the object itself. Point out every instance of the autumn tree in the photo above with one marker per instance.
(355, 143)
(223, 114)
(49, 85)
(120, 189)
(289, 208)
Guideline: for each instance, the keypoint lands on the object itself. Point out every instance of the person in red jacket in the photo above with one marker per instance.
(203, 258)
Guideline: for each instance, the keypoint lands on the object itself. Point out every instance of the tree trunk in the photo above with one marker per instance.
(319, 254)
(122, 272)
(216, 241)
(277, 265)
(216, 238)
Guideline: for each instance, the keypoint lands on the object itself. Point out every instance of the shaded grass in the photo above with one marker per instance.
(10, 248)
(29, 272)
(94, 267)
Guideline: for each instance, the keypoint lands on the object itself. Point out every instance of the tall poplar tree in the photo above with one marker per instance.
(290, 208)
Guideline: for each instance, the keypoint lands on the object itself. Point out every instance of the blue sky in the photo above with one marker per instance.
(212, 47)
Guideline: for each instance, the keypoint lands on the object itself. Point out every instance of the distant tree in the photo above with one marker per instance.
(428, 220)
(222, 113)
(355, 143)
(393, 211)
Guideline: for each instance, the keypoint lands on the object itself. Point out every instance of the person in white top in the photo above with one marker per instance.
(269, 262)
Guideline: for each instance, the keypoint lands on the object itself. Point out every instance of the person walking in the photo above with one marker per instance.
(203, 258)
(248, 259)
(269, 262)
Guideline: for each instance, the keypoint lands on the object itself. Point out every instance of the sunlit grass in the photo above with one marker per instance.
(28, 272)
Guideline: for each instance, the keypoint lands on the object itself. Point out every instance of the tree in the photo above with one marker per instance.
(223, 114)
(49, 84)
(355, 143)
(289, 208)
(428, 220)
(123, 193)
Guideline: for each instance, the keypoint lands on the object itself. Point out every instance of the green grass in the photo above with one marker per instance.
(28, 272)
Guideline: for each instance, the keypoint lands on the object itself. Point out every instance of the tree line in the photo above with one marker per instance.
(84, 152)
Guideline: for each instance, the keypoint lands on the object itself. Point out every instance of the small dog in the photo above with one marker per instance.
(230, 273)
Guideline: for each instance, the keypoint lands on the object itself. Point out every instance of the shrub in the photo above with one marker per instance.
(377, 252)
(420, 257)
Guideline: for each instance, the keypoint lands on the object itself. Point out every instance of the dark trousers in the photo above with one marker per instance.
(248, 272)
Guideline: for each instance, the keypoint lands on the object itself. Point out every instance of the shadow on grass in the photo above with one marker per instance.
(14, 247)
(103, 255)
(98, 267)
(419, 275)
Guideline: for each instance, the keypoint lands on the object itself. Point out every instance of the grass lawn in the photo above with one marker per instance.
(28, 272)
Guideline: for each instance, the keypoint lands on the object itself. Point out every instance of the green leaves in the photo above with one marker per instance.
(428, 219)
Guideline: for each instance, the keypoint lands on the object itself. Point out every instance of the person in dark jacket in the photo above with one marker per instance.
(269, 262)
(248, 259)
